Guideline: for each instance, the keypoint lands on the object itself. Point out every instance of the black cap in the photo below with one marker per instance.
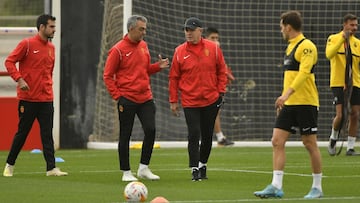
(192, 23)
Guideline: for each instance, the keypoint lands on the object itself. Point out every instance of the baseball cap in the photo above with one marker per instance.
(192, 23)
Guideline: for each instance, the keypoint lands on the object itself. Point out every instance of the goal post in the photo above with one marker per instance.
(106, 124)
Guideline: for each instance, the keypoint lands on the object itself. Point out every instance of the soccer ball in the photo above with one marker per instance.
(135, 192)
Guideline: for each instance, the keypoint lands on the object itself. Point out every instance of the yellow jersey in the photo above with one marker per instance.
(299, 62)
(335, 52)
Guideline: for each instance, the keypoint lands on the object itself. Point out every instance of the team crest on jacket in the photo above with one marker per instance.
(22, 109)
(143, 50)
(206, 52)
(121, 108)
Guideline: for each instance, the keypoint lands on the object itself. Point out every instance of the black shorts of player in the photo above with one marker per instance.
(338, 93)
(302, 117)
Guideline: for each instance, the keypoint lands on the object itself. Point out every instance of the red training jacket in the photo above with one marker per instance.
(199, 76)
(36, 59)
(128, 69)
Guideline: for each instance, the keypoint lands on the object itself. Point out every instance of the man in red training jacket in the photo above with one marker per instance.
(127, 78)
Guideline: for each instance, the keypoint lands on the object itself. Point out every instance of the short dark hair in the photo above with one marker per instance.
(292, 18)
(43, 20)
(211, 30)
(349, 16)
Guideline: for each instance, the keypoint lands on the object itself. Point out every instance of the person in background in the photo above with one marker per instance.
(297, 107)
(335, 52)
(35, 57)
(198, 73)
(213, 35)
(127, 78)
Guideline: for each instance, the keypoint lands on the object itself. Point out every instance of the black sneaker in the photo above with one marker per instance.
(351, 152)
(202, 171)
(196, 175)
(225, 142)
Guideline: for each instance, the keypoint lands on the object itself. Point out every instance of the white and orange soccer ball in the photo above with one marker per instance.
(135, 192)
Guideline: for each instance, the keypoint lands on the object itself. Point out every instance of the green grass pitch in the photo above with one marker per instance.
(234, 174)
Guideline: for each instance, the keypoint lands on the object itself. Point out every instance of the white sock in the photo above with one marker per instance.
(334, 134)
(220, 136)
(317, 181)
(127, 172)
(142, 166)
(201, 164)
(351, 142)
(277, 179)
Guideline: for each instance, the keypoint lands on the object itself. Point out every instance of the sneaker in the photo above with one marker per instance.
(8, 170)
(332, 147)
(56, 172)
(128, 177)
(314, 193)
(195, 175)
(225, 142)
(202, 173)
(269, 191)
(351, 152)
(147, 174)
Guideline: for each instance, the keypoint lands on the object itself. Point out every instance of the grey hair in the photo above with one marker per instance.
(133, 19)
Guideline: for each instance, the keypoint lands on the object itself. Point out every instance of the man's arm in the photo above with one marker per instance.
(14, 57)
(111, 65)
(333, 45)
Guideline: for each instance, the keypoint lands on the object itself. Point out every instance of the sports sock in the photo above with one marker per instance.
(220, 136)
(351, 142)
(201, 164)
(317, 181)
(334, 134)
(142, 166)
(277, 178)
(127, 172)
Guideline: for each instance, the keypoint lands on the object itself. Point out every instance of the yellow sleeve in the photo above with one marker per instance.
(306, 54)
(333, 44)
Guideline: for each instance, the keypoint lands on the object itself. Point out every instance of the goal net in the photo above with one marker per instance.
(253, 47)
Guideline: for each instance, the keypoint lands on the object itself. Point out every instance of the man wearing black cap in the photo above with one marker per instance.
(198, 72)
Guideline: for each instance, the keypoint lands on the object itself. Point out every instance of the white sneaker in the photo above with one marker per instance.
(147, 174)
(128, 177)
(56, 172)
(8, 170)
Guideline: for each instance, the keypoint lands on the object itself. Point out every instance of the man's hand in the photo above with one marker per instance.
(230, 76)
(23, 85)
(163, 63)
(175, 109)
(280, 101)
(346, 35)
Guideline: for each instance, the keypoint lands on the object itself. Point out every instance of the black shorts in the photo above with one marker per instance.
(338, 93)
(302, 117)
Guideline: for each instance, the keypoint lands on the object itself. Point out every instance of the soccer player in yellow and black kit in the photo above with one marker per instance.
(335, 52)
(297, 107)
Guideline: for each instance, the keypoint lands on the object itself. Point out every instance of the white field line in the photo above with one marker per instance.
(209, 169)
(323, 199)
(183, 144)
